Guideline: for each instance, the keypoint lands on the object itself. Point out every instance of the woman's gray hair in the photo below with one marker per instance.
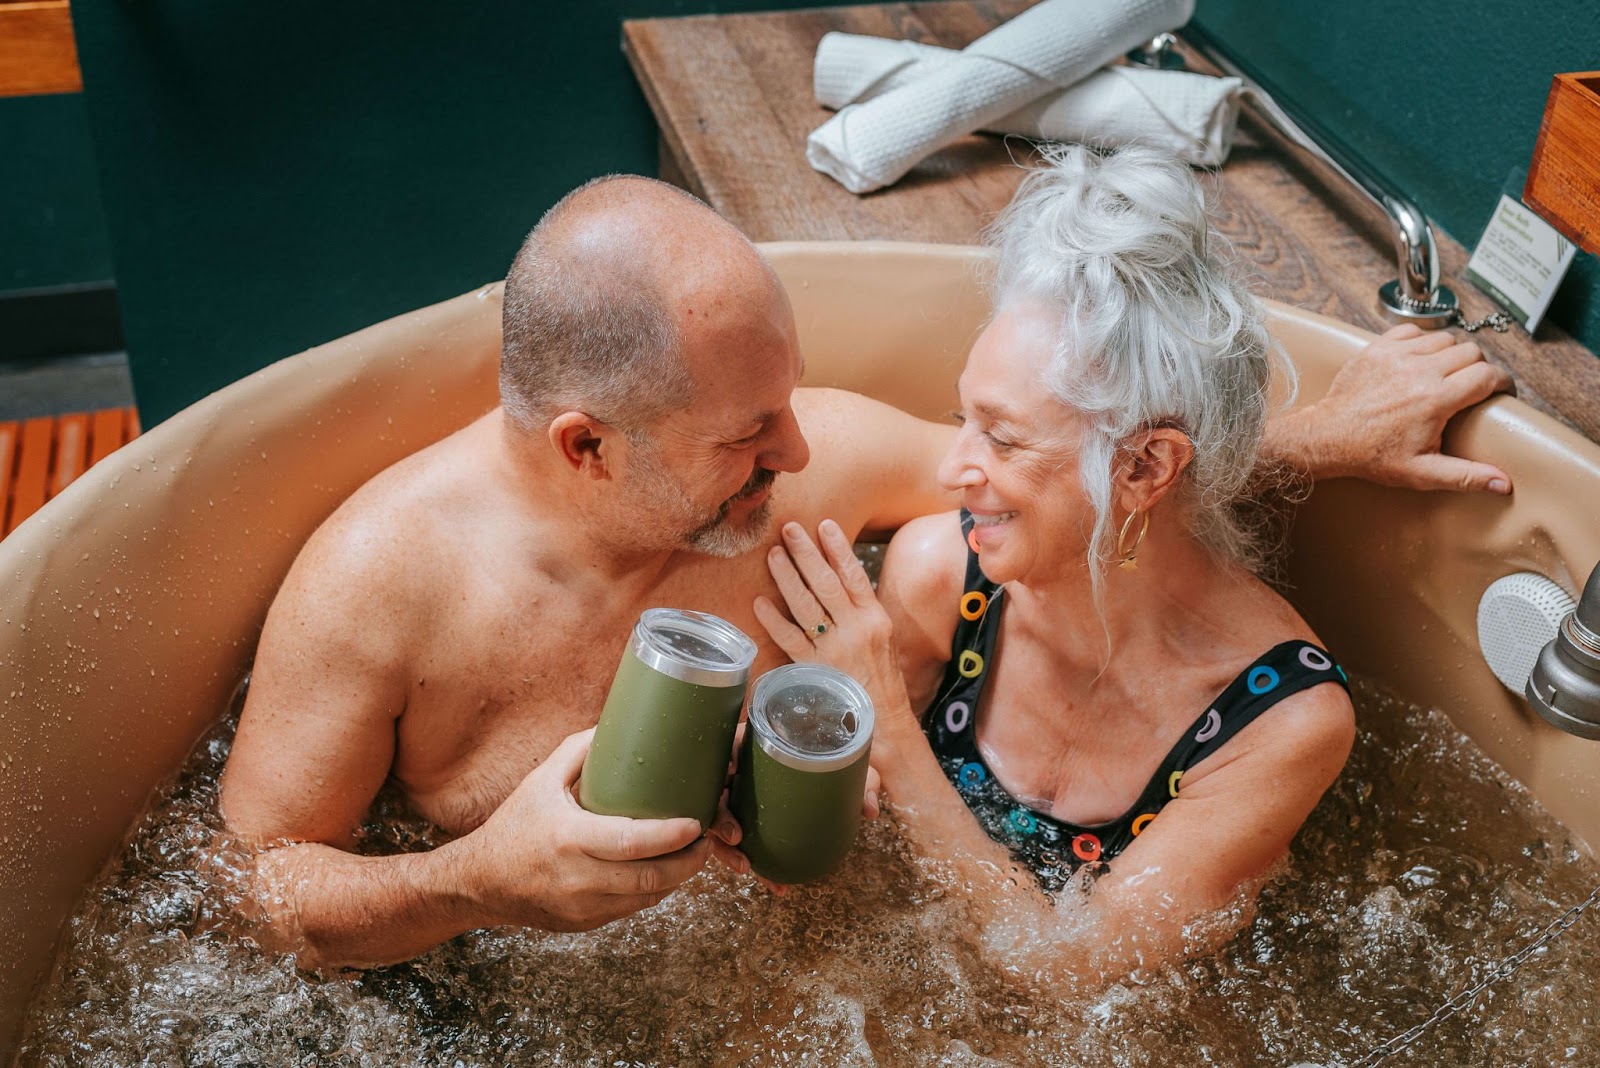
(1155, 328)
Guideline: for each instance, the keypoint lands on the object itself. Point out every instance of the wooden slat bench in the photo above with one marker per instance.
(40, 457)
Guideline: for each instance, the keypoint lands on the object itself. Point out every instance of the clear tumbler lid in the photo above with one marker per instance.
(811, 717)
(693, 647)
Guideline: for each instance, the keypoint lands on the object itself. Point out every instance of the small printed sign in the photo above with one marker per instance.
(1520, 260)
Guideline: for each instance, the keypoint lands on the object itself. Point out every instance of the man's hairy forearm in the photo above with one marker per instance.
(338, 909)
(540, 860)
(1384, 414)
(1292, 440)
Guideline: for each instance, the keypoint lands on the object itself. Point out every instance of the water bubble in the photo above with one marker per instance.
(880, 964)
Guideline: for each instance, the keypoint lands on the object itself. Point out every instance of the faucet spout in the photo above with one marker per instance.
(1414, 250)
(1564, 687)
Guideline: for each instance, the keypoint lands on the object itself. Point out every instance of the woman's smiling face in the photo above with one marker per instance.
(1015, 459)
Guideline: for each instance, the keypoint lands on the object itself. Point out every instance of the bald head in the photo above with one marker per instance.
(604, 294)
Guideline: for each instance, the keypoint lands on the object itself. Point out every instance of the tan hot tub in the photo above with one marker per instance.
(130, 605)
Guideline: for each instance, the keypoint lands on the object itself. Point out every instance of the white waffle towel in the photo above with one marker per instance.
(1050, 46)
(1190, 116)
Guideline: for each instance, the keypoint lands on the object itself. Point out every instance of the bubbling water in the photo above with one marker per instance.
(1420, 869)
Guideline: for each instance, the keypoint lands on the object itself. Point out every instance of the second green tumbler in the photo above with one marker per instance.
(802, 771)
(666, 733)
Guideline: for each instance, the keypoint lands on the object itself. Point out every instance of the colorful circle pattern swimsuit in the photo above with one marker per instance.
(1053, 848)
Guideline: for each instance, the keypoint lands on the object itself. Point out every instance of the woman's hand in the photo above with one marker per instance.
(834, 616)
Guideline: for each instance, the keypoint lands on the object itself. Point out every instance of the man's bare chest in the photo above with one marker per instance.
(507, 677)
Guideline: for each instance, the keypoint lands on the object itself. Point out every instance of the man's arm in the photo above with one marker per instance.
(316, 741)
(1384, 416)
(877, 467)
(540, 861)
(1382, 420)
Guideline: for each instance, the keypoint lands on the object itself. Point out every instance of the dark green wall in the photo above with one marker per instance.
(1444, 99)
(56, 296)
(280, 174)
(52, 231)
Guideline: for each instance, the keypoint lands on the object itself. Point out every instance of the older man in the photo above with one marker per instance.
(461, 614)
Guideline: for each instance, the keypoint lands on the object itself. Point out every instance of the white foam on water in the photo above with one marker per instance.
(1421, 868)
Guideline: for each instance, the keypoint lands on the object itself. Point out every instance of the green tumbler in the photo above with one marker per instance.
(662, 746)
(802, 771)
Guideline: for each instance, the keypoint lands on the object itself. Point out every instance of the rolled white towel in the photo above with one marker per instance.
(1050, 46)
(1191, 116)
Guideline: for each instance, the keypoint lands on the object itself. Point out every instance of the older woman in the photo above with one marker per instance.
(1104, 683)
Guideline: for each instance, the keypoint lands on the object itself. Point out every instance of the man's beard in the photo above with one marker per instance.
(714, 535)
(718, 537)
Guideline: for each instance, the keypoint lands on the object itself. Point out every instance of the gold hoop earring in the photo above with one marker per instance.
(1130, 554)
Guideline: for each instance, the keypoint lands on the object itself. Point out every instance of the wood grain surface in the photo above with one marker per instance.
(1564, 178)
(732, 96)
(37, 50)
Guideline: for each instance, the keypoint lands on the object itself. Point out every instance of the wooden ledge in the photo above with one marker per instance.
(732, 95)
(37, 51)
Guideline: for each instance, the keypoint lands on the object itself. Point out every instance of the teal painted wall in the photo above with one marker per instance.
(52, 229)
(1444, 99)
(277, 175)
(280, 174)
(56, 291)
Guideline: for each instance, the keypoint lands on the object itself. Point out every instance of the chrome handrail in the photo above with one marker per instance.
(1416, 294)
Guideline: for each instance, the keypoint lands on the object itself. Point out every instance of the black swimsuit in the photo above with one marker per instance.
(1053, 848)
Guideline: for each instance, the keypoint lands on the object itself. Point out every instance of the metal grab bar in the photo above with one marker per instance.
(1416, 294)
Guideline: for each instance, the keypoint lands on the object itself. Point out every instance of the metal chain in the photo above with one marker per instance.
(1500, 971)
(1498, 321)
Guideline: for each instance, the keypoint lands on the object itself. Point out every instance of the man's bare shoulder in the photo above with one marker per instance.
(363, 601)
(398, 540)
(872, 466)
(820, 406)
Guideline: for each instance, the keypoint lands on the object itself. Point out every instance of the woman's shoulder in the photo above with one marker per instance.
(1258, 616)
(927, 558)
(924, 573)
(1298, 722)
(1263, 623)
(1310, 728)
